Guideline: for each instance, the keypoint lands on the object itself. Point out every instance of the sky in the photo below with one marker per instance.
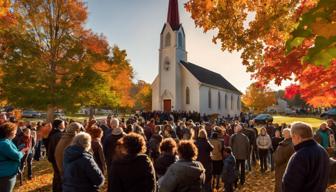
(135, 25)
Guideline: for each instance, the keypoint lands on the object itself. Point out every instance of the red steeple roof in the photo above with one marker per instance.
(173, 15)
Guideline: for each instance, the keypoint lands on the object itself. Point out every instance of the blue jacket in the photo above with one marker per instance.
(307, 169)
(81, 172)
(229, 174)
(10, 158)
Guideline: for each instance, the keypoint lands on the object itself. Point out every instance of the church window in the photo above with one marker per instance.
(166, 64)
(168, 40)
(219, 100)
(209, 98)
(231, 102)
(226, 101)
(187, 96)
(238, 103)
(180, 40)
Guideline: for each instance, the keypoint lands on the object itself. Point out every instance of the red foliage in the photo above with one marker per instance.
(291, 91)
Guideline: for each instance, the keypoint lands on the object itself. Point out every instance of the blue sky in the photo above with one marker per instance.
(135, 25)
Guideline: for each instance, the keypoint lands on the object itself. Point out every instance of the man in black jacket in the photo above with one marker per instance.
(308, 168)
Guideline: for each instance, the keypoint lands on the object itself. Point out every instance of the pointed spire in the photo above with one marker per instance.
(173, 15)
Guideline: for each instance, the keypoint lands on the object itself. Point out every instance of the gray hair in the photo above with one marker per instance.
(82, 140)
(302, 129)
(114, 122)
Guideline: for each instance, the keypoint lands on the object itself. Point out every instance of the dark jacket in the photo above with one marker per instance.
(183, 176)
(163, 162)
(132, 174)
(228, 174)
(307, 169)
(240, 145)
(109, 147)
(281, 155)
(204, 156)
(81, 172)
(52, 141)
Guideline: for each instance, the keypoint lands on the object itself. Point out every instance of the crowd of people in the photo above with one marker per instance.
(173, 154)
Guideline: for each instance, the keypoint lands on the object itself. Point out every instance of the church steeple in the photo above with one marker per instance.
(173, 15)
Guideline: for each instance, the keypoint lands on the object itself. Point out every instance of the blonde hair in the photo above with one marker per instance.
(82, 140)
(202, 134)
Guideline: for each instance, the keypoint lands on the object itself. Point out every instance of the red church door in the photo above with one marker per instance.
(167, 105)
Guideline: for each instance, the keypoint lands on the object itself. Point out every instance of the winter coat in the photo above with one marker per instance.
(183, 176)
(331, 137)
(63, 143)
(307, 169)
(132, 174)
(51, 143)
(216, 154)
(264, 142)
(81, 172)
(240, 145)
(163, 162)
(10, 158)
(229, 174)
(250, 134)
(204, 156)
(275, 142)
(98, 154)
(282, 155)
(109, 147)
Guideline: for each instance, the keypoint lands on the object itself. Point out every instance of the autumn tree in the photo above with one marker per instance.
(258, 98)
(48, 57)
(142, 94)
(279, 40)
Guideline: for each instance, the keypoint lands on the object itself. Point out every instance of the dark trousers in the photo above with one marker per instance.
(263, 153)
(240, 163)
(7, 183)
(57, 181)
(228, 187)
(37, 154)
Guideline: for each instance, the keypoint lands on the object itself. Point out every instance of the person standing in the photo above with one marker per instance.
(281, 157)
(325, 137)
(186, 174)
(10, 157)
(133, 171)
(229, 173)
(264, 144)
(240, 145)
(81, 172)
(204, 156)
(167, 156)
(66, 138)
(275, 143)
(58, 127)
(217, 159)
(308, 168)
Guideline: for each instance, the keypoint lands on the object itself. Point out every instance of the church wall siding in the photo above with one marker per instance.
(188, 80)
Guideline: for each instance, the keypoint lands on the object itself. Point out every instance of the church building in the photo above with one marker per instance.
(184, 86)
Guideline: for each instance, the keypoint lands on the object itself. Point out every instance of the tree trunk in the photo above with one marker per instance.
(92, 113)
(50, 114)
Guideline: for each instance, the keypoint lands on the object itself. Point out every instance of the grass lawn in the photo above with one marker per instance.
(314, 122)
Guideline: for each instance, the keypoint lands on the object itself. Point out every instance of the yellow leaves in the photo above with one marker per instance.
(258, 98)
(4, 7)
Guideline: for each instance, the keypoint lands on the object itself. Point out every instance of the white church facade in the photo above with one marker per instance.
(183, 86)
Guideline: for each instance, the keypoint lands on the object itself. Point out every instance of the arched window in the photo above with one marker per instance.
(209, 98)
(219, 100)
(238, 103)
(187, 96)
(226, 101)
(167, 40)
(231, 102)
(180, 40)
